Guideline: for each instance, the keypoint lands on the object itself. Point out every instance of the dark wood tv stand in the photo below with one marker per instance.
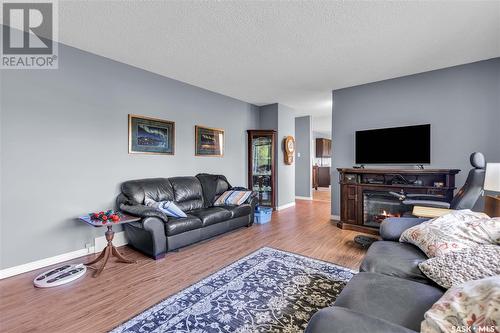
(364, 192)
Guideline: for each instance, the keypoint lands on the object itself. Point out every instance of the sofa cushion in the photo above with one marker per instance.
(212, 215)
(237, 211)
(232, 197)
(392, 227)
(465, 265)
(336, 319)
(187, 192)
(176, 226)
(454, 231)
(473, 305)
(399, 301)
(157, 189)
(395, 259)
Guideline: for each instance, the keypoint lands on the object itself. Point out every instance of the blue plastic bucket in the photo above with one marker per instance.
(263, 215)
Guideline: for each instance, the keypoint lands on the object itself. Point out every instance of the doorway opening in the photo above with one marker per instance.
(322, 161)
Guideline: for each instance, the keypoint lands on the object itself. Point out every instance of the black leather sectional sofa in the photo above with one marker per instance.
(157, 233)
(389, 295)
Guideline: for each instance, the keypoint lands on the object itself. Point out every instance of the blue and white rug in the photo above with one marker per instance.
(267, 291)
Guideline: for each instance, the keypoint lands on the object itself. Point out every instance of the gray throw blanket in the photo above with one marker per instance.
(209, 186)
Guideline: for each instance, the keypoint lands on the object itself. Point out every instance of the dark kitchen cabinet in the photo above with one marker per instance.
(323, 147)
(321, 176)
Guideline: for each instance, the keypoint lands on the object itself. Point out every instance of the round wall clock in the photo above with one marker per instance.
(289, 149)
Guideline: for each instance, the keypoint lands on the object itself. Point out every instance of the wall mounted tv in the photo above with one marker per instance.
(396, 145)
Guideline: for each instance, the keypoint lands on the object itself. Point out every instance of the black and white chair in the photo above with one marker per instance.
(465, 198)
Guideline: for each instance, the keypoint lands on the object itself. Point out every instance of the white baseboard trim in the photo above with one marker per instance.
(335, 217)
(100, 243)
(11, 271)
(285, 206)
(303, 198)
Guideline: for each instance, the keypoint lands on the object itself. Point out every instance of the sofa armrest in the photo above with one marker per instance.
(392, 227)
(342, 320)
(427, 203)
(239, 188)
(143, 211)
(148, 236)
(253, 199)
(417, 196)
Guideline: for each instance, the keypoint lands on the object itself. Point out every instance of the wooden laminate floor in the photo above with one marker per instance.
(322, 194)
(124, 290)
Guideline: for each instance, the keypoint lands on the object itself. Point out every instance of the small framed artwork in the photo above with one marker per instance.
(150, 135)
(209, 141)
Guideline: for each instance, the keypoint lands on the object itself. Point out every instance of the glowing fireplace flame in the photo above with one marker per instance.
(386, 214)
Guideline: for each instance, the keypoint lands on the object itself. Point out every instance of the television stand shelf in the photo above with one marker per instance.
(365, 199)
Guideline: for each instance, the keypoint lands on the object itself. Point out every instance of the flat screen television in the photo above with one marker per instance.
(396, 145)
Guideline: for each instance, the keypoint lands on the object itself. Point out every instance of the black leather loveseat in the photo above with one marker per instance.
(158, 233)
(389, 295)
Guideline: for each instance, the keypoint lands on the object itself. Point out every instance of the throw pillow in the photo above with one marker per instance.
(454, 268)
(168, 207)
(470, 307)
(232, 198)
(452, 232)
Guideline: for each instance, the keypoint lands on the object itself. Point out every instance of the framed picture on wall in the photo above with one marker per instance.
(150, 135)
(209, 141)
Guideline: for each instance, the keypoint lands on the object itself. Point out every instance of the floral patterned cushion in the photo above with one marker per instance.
(470, 307)
(465, 265)
(453, 232)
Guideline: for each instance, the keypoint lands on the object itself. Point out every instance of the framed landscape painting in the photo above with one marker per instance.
(150, 136)
(209, 141)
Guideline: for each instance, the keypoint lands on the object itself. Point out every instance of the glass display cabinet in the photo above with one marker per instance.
(261, 160)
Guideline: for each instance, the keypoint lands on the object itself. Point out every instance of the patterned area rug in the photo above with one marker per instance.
(267, 291)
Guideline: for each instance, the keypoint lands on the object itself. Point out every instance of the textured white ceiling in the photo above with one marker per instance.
(293, 53)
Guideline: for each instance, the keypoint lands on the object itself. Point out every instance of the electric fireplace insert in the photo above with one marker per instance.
(378, 205)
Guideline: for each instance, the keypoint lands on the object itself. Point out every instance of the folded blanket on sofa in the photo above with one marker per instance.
(167, 207)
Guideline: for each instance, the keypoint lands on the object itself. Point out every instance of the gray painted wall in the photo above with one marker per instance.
(268, 117)
(268, 120)
(286, 180)
(325, 135)
(64, 145)
(303, 163)
(281, 119)
(461, 104)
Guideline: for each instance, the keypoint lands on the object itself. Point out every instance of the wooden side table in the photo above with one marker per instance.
(110, 249)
